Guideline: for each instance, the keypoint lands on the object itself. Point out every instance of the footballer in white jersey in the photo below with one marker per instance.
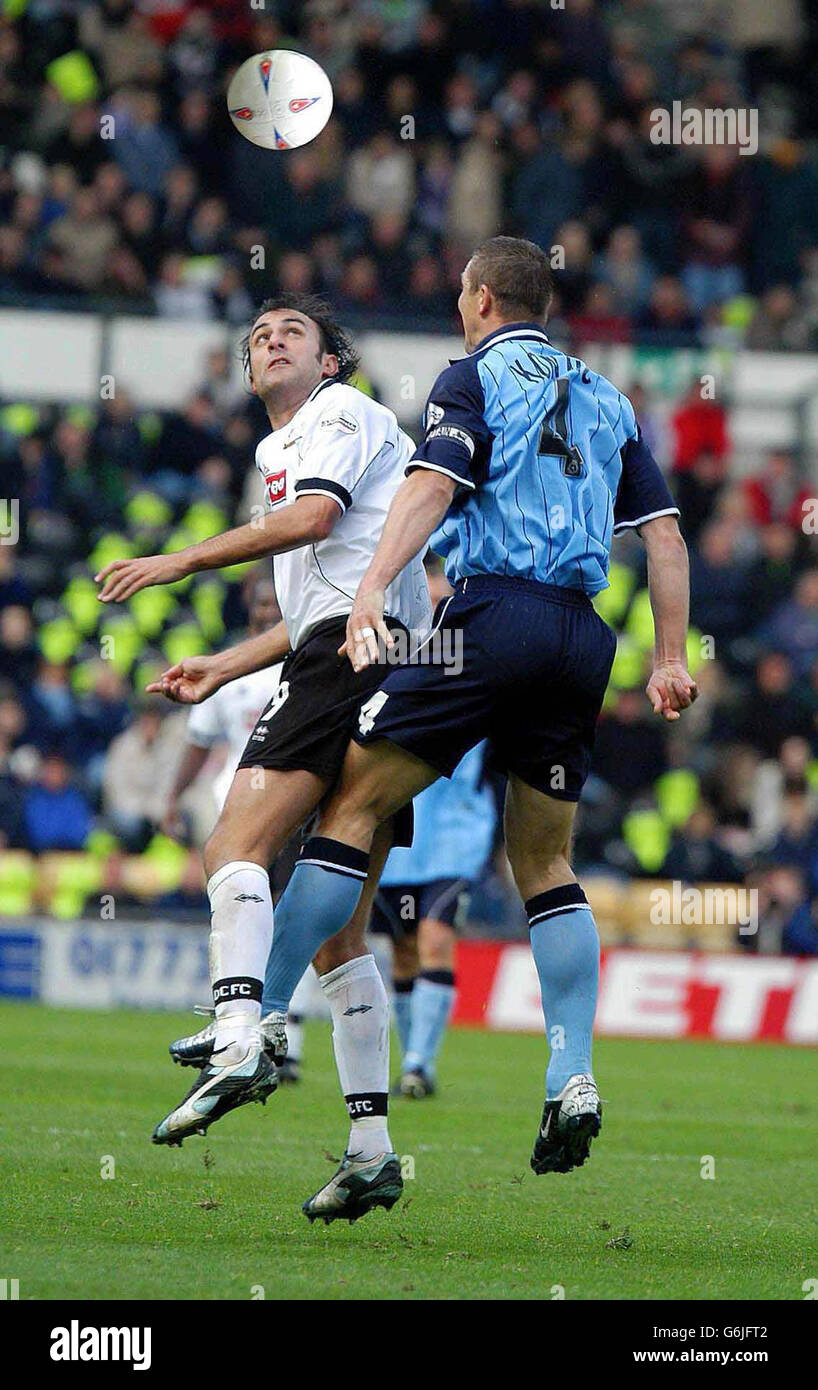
(331, 466)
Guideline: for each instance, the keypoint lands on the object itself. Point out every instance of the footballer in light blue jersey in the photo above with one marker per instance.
(529, 463)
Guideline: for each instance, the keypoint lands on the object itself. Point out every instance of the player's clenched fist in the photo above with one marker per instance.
(123, 578)
(671, 689)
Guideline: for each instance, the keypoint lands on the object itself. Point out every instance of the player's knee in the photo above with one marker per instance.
(223, 847)
(340, 949)
(436, 946)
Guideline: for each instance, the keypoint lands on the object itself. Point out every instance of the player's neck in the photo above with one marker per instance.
(283, 404)
(492, 325)
(281, 410)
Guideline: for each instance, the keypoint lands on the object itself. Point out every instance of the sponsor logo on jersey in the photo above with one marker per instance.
(434, 414)
(342, 421)
(276, 486)
(301, 103)
(452, 432)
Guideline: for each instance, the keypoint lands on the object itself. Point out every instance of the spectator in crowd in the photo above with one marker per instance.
(138, 774)
(698, 489)
(779, 323)
(18, 649)
(627, 271)
(630, 751)
(773, 710)
(778, 493)
(56, 815)
(793, 627)
(773, 573)
(695, 854)
(719, 581)
(699, 426)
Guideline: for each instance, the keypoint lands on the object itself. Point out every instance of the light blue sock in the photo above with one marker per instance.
(565, 946)
(432, 1001)
(402, 992)
(319, 900)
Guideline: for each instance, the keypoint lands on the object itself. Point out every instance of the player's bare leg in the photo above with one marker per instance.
(262, 810)
(565, 946)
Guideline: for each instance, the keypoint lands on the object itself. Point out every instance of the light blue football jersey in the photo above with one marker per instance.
(549, 458)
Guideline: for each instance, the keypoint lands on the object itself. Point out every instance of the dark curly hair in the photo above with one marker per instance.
(332, 336)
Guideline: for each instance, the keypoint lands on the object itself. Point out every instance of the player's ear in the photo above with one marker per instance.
(329, 364)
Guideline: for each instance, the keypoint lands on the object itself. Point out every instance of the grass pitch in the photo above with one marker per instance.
(220, 1218)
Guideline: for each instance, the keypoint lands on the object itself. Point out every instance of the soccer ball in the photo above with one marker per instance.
(279, 100)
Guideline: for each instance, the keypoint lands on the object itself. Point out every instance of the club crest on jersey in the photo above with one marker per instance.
(301, 103)
(276, 486)
(242, 113)
(264, 68)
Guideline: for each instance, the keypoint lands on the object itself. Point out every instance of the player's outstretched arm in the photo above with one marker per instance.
(417, 509)
(305, 521)
(192, 680)
(671, 688)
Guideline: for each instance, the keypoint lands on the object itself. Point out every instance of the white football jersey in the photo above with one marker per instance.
(343, 445)
(229, 716)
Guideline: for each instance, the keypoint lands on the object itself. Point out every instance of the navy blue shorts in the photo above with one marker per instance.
(399, 907)
(535, 665)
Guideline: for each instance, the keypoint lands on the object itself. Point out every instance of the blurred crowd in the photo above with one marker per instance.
(87, 761)
(524, 118)
(122, 180)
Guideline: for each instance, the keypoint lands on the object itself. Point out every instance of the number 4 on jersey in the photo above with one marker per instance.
(553, 439)
(369, 711)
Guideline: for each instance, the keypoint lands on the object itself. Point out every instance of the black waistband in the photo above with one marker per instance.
(502, 583)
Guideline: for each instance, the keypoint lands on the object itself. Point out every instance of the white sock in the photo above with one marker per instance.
(241, 934)
(360, 1037)
(295, 1038)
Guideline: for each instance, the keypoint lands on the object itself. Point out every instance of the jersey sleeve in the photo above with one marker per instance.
(204, 726)
(457, 440)
(338, 448)
(642, 494)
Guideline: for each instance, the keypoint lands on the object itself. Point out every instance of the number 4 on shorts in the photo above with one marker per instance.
(369, 711)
